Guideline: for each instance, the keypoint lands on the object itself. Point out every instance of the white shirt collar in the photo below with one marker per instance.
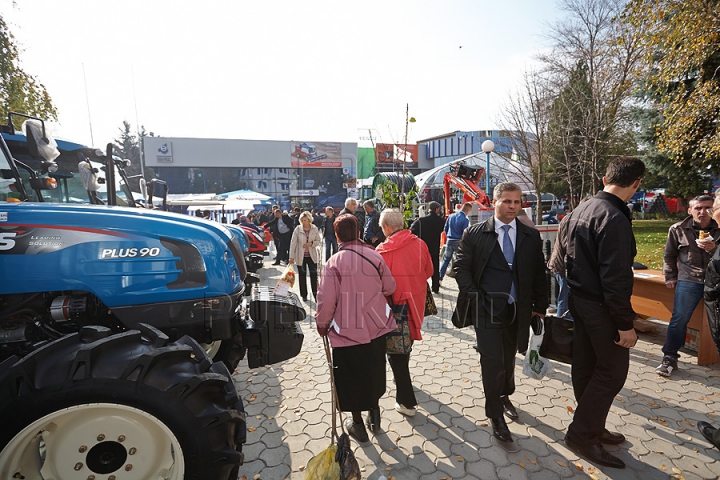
(499, 224)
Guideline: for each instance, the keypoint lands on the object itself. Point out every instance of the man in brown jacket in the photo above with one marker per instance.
(689, 248)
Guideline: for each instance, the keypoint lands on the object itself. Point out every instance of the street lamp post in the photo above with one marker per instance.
(487, 147)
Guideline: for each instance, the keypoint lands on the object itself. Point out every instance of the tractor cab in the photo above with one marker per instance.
(82, 174)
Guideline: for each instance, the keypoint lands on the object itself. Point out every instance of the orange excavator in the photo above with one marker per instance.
(464, 178)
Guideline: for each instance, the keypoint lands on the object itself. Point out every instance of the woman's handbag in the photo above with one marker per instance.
(430, 307)
(557, 341)
(398, 342)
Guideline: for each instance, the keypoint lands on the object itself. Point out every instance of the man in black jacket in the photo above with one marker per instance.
(500, 271)
(328, 228)
(429, 229)
(351, 207)
(373, 234)
(600, 253)
(282, 227)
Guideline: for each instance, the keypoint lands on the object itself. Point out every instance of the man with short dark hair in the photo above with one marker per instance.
(373, 234)
(282, 227)
(500, 272)
(429, 228)
(599, 258)
(331, 245)
(689, 248)
(454, 227)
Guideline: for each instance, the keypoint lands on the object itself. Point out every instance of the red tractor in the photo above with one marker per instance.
(308, 152)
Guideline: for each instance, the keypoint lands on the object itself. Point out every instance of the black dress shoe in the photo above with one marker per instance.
(509, 408)
(596, 453)
(276, 262)
(501, 430)
(708, 431)
(373, 420)
(356, 431)
(611, 438)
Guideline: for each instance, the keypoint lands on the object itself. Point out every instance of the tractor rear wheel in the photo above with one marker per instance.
(92, 404)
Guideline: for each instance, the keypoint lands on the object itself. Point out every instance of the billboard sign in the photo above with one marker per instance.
(316, 154)
(397, 153)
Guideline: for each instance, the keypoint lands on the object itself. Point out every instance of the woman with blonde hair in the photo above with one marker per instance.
(304, 253)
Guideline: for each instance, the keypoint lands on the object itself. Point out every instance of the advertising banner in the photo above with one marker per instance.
(397, 153)
(316, 154)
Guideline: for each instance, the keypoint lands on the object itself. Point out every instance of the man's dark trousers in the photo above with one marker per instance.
(283, 247)
(599, 368)
(497, 345)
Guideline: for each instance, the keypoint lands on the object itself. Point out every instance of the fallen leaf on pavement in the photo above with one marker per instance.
(562, 464)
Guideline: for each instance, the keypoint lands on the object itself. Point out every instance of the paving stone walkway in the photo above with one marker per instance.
(288, 407)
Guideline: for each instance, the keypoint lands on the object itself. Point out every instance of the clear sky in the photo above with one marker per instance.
(312, 70)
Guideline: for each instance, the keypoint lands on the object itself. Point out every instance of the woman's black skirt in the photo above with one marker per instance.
(360, 375)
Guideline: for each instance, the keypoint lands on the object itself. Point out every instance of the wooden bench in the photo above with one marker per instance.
(652, 298)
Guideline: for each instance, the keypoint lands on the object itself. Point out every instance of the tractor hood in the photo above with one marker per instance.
(124, 256)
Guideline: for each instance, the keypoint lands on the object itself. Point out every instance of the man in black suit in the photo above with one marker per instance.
(500, 271)
(429, 229)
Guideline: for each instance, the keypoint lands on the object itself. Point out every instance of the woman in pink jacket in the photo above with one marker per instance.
(411, 265)
(353, 312)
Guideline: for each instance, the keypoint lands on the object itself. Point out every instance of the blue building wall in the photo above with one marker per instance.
(443, 150)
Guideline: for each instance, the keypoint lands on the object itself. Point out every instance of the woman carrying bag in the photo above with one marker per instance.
(353, 313)
(304, 253)
(410, 263)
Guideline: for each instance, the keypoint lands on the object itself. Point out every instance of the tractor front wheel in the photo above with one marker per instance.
(133, 404)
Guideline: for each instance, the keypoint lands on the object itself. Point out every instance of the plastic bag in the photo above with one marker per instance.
(535, 366)
(323, 466)
(286, 281)
(345, 458)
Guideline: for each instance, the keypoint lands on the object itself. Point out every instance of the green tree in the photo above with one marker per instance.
(129, 145)
(591, 38)
(679, 179)
(570, 127)
(525, 119)
(682, 44)
(19, 91)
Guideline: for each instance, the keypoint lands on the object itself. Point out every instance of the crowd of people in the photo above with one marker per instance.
(373, 262)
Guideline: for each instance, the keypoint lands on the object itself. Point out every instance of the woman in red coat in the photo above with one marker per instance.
(411, 265)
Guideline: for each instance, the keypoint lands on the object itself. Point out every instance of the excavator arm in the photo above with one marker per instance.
(465, 178)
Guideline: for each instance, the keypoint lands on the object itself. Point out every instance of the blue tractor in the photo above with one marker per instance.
(110, 318)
